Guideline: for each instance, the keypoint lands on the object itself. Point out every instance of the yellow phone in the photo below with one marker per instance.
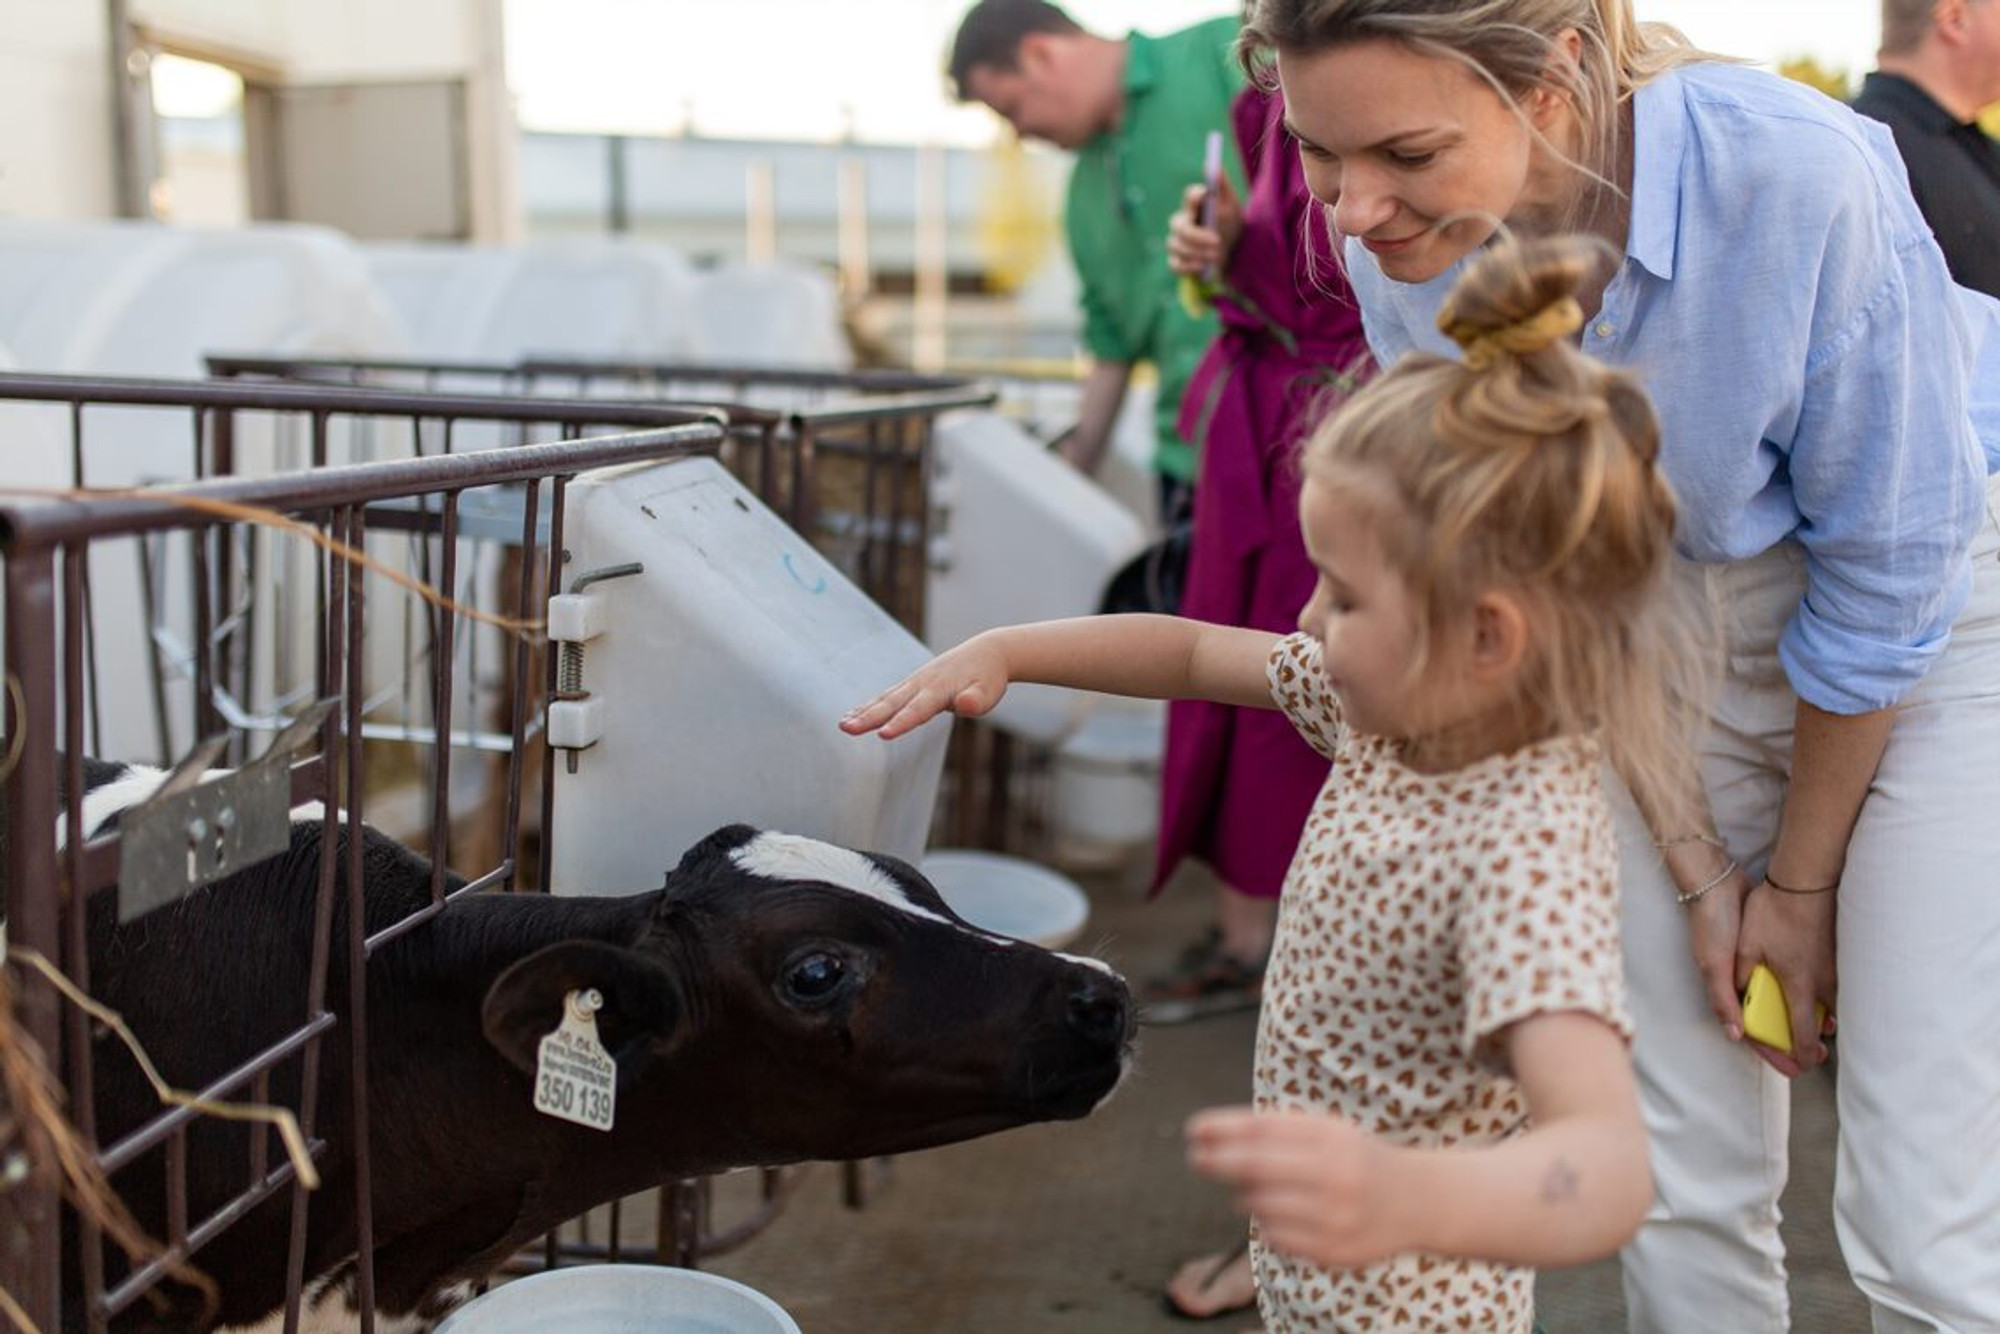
(1766, 1017)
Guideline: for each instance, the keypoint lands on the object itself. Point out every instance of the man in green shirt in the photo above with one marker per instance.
(1137, 112)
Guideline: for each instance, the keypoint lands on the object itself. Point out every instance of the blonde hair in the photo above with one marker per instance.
(1533, 468)
(1510, 45)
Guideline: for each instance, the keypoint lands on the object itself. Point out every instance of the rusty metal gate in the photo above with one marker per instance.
(434, 510)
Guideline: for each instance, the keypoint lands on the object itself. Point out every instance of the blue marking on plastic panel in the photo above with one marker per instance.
(818, 584)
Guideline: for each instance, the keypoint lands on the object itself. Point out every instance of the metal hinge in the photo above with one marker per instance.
(203, 825)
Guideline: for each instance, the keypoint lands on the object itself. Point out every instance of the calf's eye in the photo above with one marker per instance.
(814, 977)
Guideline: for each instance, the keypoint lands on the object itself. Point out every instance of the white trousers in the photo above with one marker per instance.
(1917, 1177)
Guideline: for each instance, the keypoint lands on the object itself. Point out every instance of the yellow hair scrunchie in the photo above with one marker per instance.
(1483, 347)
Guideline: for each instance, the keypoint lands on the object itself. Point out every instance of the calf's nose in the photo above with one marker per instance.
(1099, 1011)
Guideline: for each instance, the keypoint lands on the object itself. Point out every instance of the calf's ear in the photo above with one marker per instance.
(643, 1013)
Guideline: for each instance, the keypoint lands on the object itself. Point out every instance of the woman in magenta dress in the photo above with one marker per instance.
(1238, 782)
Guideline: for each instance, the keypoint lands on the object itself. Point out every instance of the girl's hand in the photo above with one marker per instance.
(1194, 250)
(1319, 1188)
(1794, 935)
(968, 680)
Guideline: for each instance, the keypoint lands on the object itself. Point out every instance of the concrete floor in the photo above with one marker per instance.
(1074, 1227)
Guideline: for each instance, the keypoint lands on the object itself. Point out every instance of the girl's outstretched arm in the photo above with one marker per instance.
(1574, 1187)
(1154, 657)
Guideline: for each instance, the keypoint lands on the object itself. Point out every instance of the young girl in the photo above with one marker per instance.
(1443, 1091)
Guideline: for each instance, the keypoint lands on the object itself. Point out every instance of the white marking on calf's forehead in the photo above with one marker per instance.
(791, 857)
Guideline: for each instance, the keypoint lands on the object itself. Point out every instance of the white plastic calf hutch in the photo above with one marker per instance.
(773, 314)
(581, 297)
(111, 298)
(707, 653)
(1018, 535)
(131, 299)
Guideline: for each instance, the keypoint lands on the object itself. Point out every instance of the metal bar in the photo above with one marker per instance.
(207, 721)
(870, 380)
(322, 771)
(30, 1251)
(353, 484)
(848, 411)
(81, 1079)
(551, 583)
(128, 1149)
(353, 525)
(277, 396)
(524, 609)
(145, 1276)
(444, 624)
(804, 504)
(76, 480)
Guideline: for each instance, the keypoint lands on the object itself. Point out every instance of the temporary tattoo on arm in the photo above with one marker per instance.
(1560, 1184)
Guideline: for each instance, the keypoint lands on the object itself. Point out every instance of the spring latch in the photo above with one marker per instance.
(570, 689)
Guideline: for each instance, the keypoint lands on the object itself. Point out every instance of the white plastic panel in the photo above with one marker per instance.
(586, 297)
(111, 298)
(722, 670)
(114, 298)
(1018, 535)
(774, 314)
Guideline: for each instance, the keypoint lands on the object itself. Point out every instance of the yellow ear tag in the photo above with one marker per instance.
(575, 1078)
(1766, 1017)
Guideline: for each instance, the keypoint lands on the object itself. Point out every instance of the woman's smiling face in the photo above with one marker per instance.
(1394, 141)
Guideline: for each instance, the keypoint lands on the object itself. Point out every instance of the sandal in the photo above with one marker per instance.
(1203, 981)
(1229, 1270)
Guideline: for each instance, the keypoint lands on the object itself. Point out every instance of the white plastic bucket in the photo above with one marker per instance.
(621, 1299)
(1107, 776)
(1009, 896)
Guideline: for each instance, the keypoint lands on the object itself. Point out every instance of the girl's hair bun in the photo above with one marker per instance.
(1518, 297)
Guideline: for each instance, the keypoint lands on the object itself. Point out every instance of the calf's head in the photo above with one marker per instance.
(829, 1005)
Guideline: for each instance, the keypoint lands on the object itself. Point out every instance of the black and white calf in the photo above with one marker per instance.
(778, 1000)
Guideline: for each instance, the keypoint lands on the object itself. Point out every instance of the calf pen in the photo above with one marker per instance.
(211, 641)
(316, 754)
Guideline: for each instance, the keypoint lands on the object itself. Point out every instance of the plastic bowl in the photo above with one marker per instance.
(620, 1299)
(1009, 896)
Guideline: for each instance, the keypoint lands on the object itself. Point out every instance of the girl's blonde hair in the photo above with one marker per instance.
(1511, 45)
(1533, 468)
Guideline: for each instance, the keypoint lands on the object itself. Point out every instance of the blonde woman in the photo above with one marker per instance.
(1831, 410)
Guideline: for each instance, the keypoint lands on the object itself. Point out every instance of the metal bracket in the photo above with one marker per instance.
(201, 826)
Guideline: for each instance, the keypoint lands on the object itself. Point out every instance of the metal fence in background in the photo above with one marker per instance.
(844, 456)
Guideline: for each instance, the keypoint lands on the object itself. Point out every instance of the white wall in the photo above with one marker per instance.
(55, 95)
(55, 77)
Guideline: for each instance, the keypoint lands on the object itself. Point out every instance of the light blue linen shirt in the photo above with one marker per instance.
(1817, 374)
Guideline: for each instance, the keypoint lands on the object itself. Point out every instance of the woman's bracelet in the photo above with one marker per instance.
(1787, 889)
(1700, 892)
(1682, 840)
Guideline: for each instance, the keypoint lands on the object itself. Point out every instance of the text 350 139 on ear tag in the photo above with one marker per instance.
(575, 1078)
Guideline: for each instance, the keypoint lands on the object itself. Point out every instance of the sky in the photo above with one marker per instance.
(820, 69)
